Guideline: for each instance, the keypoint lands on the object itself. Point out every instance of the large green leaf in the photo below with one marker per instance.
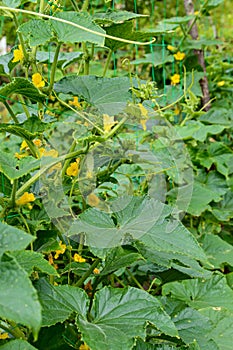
(108, 95)
(29, 260)
(202, 195)
(36, 31)
(175, 260)
(141, 219)
(23, 87)
(135, 215)
(11, 3)
(64, 58)
(218, 115)
(17, 344)
(115, 16)
(125, 31)
(221, 332)
(200, 293)
(118, 258)
(11, 238)
(71, 34)
(19, 301)
(59, 302)
(119, 315)
(14, 168)
(217, 250)
(219, 154)
(157, 58)
(198, 131)
(193, 326)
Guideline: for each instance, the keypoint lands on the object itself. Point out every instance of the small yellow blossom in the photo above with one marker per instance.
(4, 335)
(23, 145)
(60, 251)
(19, 156)
(196, 13)
(37, 80)
(75, 102)
(108, 122)
(84, 347)
(93, 200)
(96, 271)
(25, 199)
(78, 258)
(175, 79)
(72, 170)
(221, 83)
(18, 54)
(171, 48)
(179, 56)
(37, 142)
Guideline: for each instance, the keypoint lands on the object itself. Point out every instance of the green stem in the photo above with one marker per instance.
(81, 243)
(108, 60)
(86, 58)
(33, 149)
(16, 332)
(13, 193)
(87, 273)
(24, 106)
(191, 25)
(75, 6)
(42, 6)
(20, 38)
(85, 6)
(53, 69)
(135, 280)
(12, 114)
(67, 162)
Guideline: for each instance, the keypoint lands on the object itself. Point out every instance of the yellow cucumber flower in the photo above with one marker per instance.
(25, 199)
(175, 79)
(37, 80)
(18, 55)
(179, 56)
(72, 170)
(78, 258)
(60, 251)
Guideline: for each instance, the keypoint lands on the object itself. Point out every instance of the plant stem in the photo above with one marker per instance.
(12, 114)
(85, 6)
(88, 273)
(33, 149)
(42, 5)
(16, 332)
(66, 163)
(24, 106)
(135, 280)
(86, 58)
(108, 60)
(75, 6)
(81, 242)
(13, 193)
(53, 69)
(20, 38)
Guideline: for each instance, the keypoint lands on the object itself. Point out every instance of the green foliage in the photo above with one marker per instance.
(116, 188)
